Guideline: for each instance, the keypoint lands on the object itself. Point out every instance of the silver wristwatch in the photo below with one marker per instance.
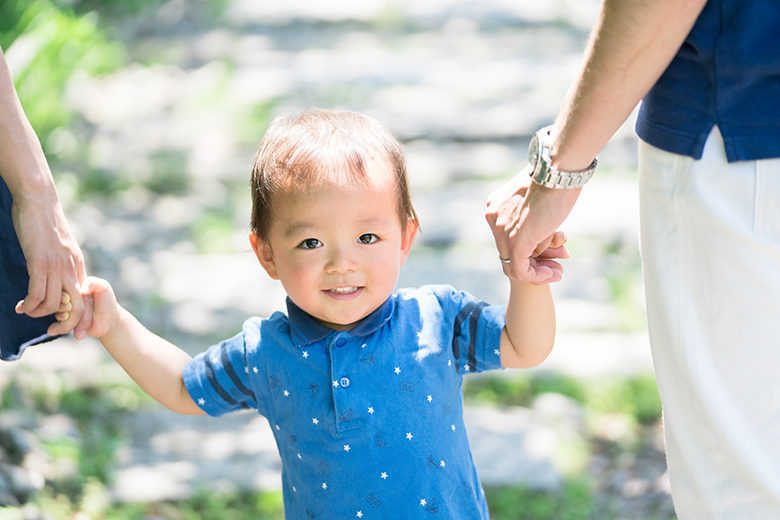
(545, 175)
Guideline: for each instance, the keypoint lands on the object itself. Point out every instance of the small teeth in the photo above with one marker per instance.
(344, 290)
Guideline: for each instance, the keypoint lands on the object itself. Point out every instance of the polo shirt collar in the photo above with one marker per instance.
(305, 330)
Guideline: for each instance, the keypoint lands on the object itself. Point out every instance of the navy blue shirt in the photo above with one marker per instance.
(368, 422)
(727, 73)
(17, 331)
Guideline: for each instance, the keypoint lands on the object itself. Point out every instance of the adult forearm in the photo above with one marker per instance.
(630, 47)
(23, 165)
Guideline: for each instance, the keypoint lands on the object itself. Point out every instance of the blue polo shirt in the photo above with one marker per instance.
(727, 73)
(368, 422)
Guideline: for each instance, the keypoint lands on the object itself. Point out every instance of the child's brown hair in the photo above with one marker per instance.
(318, 144)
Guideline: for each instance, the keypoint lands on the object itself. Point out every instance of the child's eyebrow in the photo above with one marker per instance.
(302, 228)
(297, 228)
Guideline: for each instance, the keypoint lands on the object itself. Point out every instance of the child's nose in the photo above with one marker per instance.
(342, 260)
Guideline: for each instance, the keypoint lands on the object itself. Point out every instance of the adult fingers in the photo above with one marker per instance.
(36, 295)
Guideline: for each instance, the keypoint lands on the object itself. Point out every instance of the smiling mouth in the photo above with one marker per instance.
(344, 290)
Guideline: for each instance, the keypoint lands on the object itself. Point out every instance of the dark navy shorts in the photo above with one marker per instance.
(17, 331)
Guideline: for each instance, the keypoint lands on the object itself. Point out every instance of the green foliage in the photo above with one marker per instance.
(96, 411)
(169, 173)
(96, 417)
(204, 504)
(574, 502)
(114, 8)
(253, 124)
(623, 272)
(635, 396)
(49, 43)
(213, 232)
(521, 389)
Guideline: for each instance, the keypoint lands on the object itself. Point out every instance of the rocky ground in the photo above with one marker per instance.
(154, 180)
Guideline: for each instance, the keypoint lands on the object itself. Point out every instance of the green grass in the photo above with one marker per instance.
(635, 396)
(204, 504)
(573, 502)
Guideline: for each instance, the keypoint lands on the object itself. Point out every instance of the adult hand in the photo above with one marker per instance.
(54, 261)
(524, 217)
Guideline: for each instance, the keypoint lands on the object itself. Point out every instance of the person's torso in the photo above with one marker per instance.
(727, 73)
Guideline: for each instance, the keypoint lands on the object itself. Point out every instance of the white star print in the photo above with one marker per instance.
(299, 456)
(254, 369)
(246, 370)
(315, 421)
(409, 436)
(453, 427)
(324, 485)
(346, 447)
(370, 409)
(201, 401)
(497, 352)
(286, 393)
(383, 476)
(466, 368)
(294, 490)
(442, 464)
(423, 502)
(215, 360)
(305, 354)
(336, 384)
(364, 345)
(360, 514)
(397, 370)
(277, 427)
(449, 363)
(430, 398)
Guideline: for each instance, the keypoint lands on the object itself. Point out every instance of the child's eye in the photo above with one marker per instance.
(310, 243)
(368, 238)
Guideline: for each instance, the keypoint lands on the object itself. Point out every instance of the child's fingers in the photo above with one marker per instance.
(559, 239)
(62, 315)
(93, 285)
(65, 307)
(83, 326)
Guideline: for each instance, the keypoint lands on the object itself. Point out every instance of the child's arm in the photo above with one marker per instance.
(529, 334)
(155, 364)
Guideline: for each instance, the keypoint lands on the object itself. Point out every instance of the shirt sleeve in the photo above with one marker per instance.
(218, 380)
(476, 330)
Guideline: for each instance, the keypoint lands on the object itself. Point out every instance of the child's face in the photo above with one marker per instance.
(337, 247)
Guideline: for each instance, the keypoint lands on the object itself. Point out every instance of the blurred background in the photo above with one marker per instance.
(150, 112)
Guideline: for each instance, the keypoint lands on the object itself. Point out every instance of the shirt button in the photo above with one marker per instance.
(344, 382)
(341, 342)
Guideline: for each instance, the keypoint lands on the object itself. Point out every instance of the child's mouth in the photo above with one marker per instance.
(344, 290)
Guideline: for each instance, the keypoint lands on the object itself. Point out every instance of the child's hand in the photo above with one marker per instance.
(102, 312)
(556, 248)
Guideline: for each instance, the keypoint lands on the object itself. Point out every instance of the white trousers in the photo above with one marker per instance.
(710, 242)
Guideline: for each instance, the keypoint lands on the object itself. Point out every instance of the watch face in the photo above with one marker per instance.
(533, 152)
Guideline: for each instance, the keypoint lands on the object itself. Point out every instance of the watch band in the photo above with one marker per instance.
(542, 173)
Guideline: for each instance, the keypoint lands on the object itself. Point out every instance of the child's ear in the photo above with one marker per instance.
(264, 255)
(412, 226)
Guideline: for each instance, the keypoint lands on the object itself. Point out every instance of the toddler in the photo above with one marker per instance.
(362, 386)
